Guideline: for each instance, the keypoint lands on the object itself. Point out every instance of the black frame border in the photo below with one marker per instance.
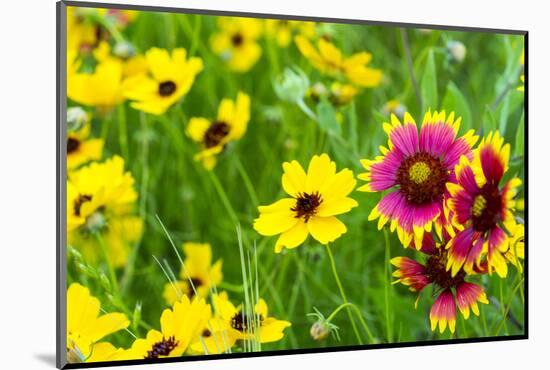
(61, 104)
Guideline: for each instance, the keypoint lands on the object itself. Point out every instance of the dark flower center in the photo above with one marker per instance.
(437, 272)
(162, 348)
(82, 198)
(422, 178)
(237, 39)
(196, 283)
(167, 88)
(241, 321)
(306, 205)
(487, 207)
(215, 134)
(206, 333)
(72, 145)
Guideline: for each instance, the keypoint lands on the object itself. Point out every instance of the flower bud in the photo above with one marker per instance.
(292, 85)
(124, 50)
(395, 107)
(319, 330)
(456, 50)
(76, 118)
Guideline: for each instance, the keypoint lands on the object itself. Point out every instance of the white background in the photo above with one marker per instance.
(27, 181)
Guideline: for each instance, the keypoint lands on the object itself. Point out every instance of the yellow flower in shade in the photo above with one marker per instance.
(282, 30)
(82, 149)
(133, 65)
(198, 269)
(179, 326)
(316, 198)
(86, 26)
(342, 94)
(101, 89)
(213, 136)
(328, 59)
(86, 327)
(100, 199)
(170, 78)
(237, 42)
(233, 323)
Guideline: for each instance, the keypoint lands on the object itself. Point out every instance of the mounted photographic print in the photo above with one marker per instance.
(235, 185)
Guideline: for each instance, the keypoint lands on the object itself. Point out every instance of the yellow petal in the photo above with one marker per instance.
(196, 128)
(326, 229)
(320, 170)
(293, 237)
(294, 178)
(336, 206)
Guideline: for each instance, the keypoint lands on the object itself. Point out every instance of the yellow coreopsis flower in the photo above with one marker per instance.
(213, 136)
(316, 198)
(198, 269)
(86, 327)
(100, 199)
(283, 30)
(237, 42)
(82, 149)
(328, 59)
(234, 323)
(132, 65)
(101, 89)
(170, 78)
(179, 326)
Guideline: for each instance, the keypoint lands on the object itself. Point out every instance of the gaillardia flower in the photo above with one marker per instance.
(316, 198)
(452, 290)
(483, 207)
(328, 59)
(213, 136)
(80, 148)
(237, 42)
(198, 269)
(100, 199)
(179, 326)
(416, 166)
(85, 327)
(170, 78)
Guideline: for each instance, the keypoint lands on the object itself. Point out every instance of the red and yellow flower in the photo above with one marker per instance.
(416, 166)
(453, 290)
(483, 207)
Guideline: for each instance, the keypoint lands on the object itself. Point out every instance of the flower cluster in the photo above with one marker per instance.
(442, 186)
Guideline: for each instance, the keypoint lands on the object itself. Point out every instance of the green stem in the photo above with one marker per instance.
(357, 313)
(110, 269)
(247, 183)
(123, 132)
(223, 197)
(387, 278)
(342, 292)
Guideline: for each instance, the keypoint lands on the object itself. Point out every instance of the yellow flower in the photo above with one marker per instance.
(86, 26)
(198, 268)
(282, 30)
(101, 88)
(179, 326)
(232, 324)
(80, 148)
(132, 66)
(85, 327)
(516, 249)
(230, 125)
(170, 78)
(236, 43)
(100, 198)
(328, 59)
(342, 94)
(315, 200)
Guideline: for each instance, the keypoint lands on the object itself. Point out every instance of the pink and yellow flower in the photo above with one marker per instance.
(416, 167)
(454, 290)
(483, 207)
